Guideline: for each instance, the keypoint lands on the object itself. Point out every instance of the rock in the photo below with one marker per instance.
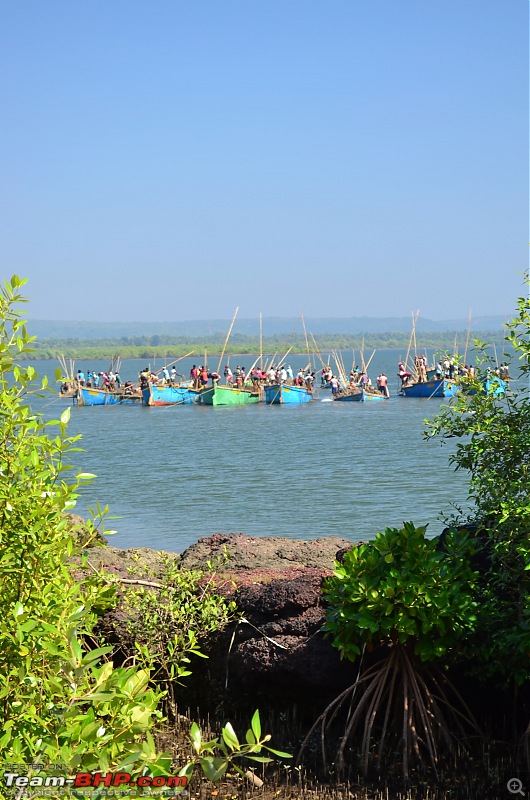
(280, 643)
(134, 562)
(263, 552)
(79, 530)
(277, 646)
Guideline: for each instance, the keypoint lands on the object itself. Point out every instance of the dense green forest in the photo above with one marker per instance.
(164, 346)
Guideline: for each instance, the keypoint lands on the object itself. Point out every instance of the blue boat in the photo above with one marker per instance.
(86, 396)
(435, 387)
(495, 386)
(492, 385)
(360, 394)
(168, 395)
(286, 394)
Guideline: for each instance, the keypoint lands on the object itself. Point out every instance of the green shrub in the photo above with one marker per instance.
(402, 588)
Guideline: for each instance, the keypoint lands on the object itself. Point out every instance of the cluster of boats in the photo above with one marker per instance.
(169, 394)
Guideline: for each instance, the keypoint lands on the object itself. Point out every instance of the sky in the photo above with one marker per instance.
(173, 160)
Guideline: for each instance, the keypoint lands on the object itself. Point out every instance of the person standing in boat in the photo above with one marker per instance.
(403, 374)
(229, 375)
(420, 369)
(382, 384)
(203, 376)
(145, 376)
(309, 380)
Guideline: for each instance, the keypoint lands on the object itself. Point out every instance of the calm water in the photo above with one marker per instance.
(318, 469)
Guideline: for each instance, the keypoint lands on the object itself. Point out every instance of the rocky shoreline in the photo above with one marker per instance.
(276, 583)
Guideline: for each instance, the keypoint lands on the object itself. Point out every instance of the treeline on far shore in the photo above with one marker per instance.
(146, 347)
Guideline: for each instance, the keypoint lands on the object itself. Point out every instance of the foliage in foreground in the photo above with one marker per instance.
(166, 620)
(405, 603)
(62, 703)
(59, 701)
(494, 448)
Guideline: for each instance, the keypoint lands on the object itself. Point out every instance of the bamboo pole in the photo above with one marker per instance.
(177, 360)
(363, 363)
(317, 352)
(370, 359)
(285, 356)
(412, 334)
(306, 342)
(467, 336)
(260, 341)
(341, 368)
(226, 340)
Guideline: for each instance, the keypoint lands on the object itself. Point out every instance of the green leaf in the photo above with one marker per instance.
(229, 737)
(255, 725)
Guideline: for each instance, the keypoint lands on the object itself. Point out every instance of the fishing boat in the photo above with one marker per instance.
(87, 396)
(360, 394)
(169, 395)
(287, 394)
(490, 385)
(435, 387)
(229, 396)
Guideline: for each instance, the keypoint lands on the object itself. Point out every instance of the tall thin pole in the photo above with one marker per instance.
(306, 342)
(467, 336)
(226, 340)
(260, 341)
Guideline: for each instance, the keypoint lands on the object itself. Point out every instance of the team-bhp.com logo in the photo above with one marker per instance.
(94, 780)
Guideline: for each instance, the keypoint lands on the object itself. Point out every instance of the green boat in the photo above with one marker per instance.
(228, 396)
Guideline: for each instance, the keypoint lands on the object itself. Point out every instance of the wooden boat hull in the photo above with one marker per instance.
(168, 395)
(362, 396)
(228, 396)
(99, 397)
(437, 387)
(284, 394)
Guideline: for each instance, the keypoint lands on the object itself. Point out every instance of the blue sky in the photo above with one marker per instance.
(173, 160)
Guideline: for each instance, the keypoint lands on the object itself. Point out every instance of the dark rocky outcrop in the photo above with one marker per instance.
(277, 645)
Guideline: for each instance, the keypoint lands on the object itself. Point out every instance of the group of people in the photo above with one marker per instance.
(165, 377)
(109, 381)
(259, 376)
(200, 376)
(358, 379)
(446, 368)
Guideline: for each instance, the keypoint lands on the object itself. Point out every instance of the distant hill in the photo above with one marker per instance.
(272, 326)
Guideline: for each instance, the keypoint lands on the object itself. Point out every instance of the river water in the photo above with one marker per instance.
(173, 475)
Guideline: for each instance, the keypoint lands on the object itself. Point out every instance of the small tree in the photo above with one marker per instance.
(407, 603)
(493, 445)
